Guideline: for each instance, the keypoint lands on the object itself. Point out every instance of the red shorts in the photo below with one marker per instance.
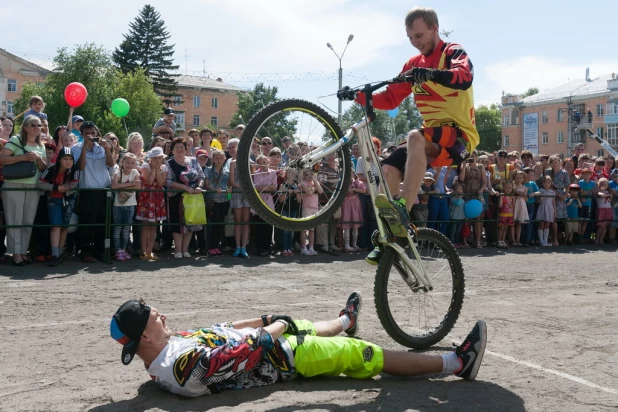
(452, 142)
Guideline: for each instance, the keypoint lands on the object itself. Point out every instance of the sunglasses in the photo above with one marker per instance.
(267, 143)
(36, 125)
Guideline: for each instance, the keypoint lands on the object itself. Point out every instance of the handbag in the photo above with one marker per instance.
(195, 209)
(19, 170)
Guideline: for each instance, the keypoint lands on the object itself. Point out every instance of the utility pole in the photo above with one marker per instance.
(330, 46)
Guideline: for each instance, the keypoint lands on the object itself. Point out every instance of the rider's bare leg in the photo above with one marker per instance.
(419, 150)
(393, 177)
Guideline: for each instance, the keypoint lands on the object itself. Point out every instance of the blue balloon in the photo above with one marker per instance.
(473, 208)
(393, 113)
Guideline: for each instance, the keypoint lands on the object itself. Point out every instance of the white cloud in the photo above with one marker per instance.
(517, 75)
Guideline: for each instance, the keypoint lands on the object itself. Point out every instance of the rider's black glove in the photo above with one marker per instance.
(346, 94)
(292, 329)
(419, 75)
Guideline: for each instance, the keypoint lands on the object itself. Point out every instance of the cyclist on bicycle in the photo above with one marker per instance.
(441, 79)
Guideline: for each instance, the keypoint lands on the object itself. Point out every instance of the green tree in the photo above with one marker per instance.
(92, 66)
(530, 92)
(388, 130)
(146, 47)
(251, 102)
(488, 126)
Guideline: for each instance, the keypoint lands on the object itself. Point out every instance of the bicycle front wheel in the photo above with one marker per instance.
(281, 190)
(411, 316)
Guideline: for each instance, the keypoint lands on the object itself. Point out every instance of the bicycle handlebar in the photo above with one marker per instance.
(348, 93)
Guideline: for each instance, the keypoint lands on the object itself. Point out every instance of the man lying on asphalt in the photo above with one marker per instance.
(262, 351)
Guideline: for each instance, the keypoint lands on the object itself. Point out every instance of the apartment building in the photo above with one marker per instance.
(204, 101)
(14, 73)
(555, 120)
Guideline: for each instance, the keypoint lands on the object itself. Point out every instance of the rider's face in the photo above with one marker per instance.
(422, 37)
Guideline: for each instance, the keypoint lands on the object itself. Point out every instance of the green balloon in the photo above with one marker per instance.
(120, 107)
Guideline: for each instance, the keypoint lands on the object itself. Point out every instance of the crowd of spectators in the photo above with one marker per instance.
(527, 199)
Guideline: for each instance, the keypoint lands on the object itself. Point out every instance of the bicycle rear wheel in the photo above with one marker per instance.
(308, 127)
(411, 316)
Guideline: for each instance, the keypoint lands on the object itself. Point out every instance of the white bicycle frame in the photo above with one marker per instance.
(416, 275)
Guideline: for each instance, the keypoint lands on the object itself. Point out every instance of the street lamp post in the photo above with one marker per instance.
(330, 46)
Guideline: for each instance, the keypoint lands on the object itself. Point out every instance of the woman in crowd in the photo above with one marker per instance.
(265, 181)
(609, 166)
(135, 145)
(20, 206)
(240, 205)
(6, 131)
(206, 137)
(186, 175)
(472, 177)
(569, 167)
(217, 183)
(560, 183)
(116, 143)
(157, 141)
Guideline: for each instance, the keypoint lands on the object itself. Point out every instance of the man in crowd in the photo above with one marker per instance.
(579, 150)
(262, 351)
(95, 157)
(167, 121)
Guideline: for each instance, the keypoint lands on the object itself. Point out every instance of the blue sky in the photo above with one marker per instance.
(513, 45)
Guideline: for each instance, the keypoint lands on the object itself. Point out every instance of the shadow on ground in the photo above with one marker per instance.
(391, 394)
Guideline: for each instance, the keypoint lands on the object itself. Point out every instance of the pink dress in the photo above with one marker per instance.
(521, 210)
(268, 178)
(351, 210)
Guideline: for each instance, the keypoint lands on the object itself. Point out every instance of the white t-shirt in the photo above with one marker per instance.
(360, 169)
(210, 360)
(122, 178)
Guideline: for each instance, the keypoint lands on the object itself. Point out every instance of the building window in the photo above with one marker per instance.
(559, 115)
(544, 117)
(600, 132)
(196, 101)
(506, 121)
(506, 141)
(560, 138)
(177, 101)
(214, 102)
(612, 134)
(9, 108)
(600, 153)
(599, 110)
(196, 120)
(214, 121)
(180, 119)
(12, 86)
(545, 138)
(612, 108)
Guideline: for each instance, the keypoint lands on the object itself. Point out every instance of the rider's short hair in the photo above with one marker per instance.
(429, 16)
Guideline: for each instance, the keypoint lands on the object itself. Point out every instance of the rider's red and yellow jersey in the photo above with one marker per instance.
(447, 100)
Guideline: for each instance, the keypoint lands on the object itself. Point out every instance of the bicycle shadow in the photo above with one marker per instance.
(385, 394)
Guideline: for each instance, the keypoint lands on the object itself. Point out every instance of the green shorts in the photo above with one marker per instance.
(316, 355)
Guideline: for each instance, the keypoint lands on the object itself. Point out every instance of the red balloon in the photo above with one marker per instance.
(75, 94)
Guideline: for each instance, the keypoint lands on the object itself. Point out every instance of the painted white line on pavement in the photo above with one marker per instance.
(553, 372)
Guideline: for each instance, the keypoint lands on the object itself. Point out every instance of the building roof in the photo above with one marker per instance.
(576, 89)
(24, 62)
(206, 83)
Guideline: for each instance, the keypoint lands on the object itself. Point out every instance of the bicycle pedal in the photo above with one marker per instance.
(391, 218)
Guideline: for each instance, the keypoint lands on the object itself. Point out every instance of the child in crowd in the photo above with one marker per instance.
(216, 183)
(124, 203)
(36, 108)
(420, 210)
(457, 216)
(520, 215)
(352, 214)
(50, 152)
(546, 213)
(587, 190)
(604, 210)
(506, 207)
(532, 188)
(289, 197)
(573, 204)
(60, 180)
(613, 189)
(310, 188)
(68, 140)
(265, 182)
(151, 203)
